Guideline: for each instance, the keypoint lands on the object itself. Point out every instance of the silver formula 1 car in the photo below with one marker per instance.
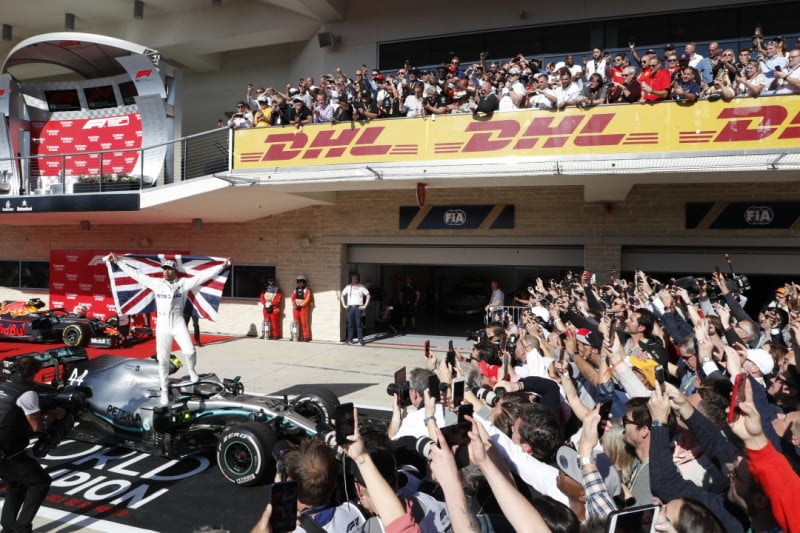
(119, 406)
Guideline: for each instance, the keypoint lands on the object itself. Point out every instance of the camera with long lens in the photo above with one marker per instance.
(402, 389)
(489, 396)
(454, 435)
(424, 446)
(479, 335)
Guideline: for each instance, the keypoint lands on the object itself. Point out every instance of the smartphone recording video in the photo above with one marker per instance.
(640, 519)
(433, 387)
(283, 497)
(464, 411)
(345, 423)
(458, 391)
(737, 396)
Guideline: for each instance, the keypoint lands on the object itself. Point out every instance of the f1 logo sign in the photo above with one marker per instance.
(110, 122)
(144, 73)
(2, 92)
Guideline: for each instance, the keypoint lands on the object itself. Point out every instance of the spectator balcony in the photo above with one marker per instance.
(606, 149)
(626, 143)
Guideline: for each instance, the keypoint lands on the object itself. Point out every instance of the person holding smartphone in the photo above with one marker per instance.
(241, 118)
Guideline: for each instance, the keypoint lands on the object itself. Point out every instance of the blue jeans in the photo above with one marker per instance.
(353, 322)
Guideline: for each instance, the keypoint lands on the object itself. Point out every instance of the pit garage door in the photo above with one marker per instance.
(766, 268)
(702, 261)
(454, 281)
(546, 256)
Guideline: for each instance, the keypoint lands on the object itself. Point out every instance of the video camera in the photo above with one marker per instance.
(401, 387)
(511, 343)
(71, 400)
(479, 335)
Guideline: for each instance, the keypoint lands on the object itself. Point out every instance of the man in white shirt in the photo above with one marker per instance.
(354, 298)
(596, 64)
(515, 86)
(413, 106)
(540, 96)
(567, 93)
(788, 81)
(171, 293)
(691, 53)
(576, 71)
(410, 422)
(496, 301)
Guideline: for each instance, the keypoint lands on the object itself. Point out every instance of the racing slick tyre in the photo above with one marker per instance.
(317, 405)
(244, 454)
(74, 335)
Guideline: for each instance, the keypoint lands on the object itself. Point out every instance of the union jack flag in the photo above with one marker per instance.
(132, 298)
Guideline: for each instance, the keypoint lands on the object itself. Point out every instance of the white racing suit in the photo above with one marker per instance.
(170, 301)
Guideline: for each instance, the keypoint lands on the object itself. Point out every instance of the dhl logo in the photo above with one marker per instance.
(285, 146)
(520, 133)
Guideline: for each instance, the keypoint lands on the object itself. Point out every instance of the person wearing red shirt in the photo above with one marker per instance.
(616, 69)
(672, 64)
(769, 468)
(656, 86)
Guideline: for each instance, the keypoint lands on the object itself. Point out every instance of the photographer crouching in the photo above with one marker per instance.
(20, 414)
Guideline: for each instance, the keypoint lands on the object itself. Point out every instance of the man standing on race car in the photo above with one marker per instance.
(271, 308)
(27, 481)
(302, 300)
(170, 294)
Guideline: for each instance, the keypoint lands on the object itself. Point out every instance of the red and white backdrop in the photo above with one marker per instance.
(80, 277)
(121, 133)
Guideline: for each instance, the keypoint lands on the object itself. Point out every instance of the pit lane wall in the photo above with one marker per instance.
(745, 125)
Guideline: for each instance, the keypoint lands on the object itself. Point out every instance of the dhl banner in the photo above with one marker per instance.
(745, 124)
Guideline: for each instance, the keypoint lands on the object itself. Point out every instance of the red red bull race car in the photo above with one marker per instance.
(28, 322)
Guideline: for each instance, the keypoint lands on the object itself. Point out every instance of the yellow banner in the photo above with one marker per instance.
(745, 124)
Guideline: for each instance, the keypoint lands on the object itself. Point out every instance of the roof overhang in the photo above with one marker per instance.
(89, 55)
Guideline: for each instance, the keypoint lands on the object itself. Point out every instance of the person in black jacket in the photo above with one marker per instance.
(27, 482)
(487, 102)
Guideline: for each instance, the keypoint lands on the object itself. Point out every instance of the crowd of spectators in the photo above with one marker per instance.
(769, 67)
(600, 397)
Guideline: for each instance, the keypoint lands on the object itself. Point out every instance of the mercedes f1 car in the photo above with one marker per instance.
(122, 408)
(26, 321)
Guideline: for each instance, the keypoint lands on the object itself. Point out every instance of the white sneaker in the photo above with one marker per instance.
(164, 398)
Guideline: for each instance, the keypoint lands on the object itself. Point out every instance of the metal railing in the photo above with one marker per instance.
(498, 314)
(189, 157)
